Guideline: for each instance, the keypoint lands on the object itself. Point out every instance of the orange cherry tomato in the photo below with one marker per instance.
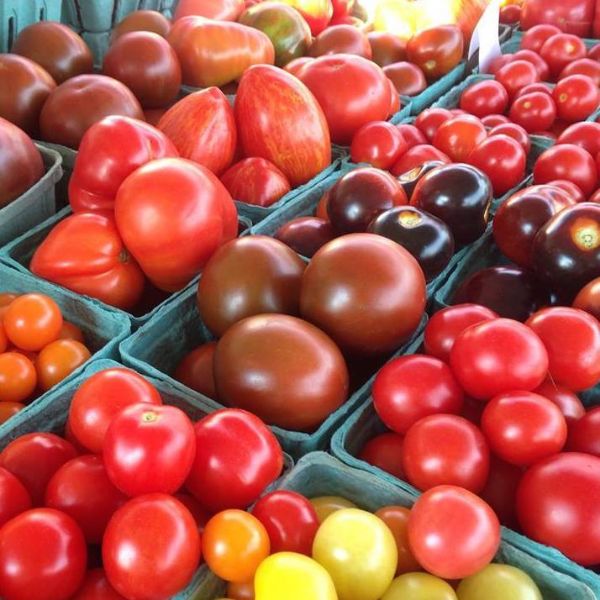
(396, 518)
(3, 339)
(7, 297)
(9, 409)
(71, 332)
(27, 353)
(234, 543)
(58, 360)
(33, 321)
(17, 377)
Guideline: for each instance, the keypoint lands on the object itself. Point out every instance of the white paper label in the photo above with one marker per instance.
(485, 36)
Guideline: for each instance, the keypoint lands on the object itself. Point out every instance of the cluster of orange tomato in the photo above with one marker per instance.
(38, 349)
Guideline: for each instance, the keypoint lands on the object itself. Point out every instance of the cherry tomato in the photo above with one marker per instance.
(416, 157)
(99, 399)
(384, 451)
(96, 587)
(560, 50)
(534, 112)
(501, 489)
(498, 582)
(583, 66)
(588, 298)
(536, 60)
(452, 532)
(567, 401)
(407, 78)
(514, 131)
(491, 121)
(234, 544)
(430, 119)
(534, 38)
(14, 497)
(510, 14)
(419, 585)
(70, 331)
(544, 88)
(572, 189)
(436, 50)
(516, 75)
(290, 520)
(305, 235)
(458, 136)
(82, 490)
(485, 98)
(9, 409)
(586, 135)
(411, 134)
(58, 360)
(396, 518)
(576, 97)
(557, 505)
(156, 560)
(196, 370)
(18, 377)
(378, 143)
(498, 356)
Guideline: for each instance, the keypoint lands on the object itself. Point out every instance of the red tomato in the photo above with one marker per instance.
(96, 587)
(594, 52)
(99, 399)
(584, 433)
(514, 131)
(535, 111)
(348, 106)
(149, 449)
(82, 490)
(412, 387)
(510, 14)
(557, 504)
(536, 60)
(569, 162)
(560, 50)
(295, 66)
(269, 104)
(498, 356)
(576, 97)
(378, 143)
(430, 120)
(572, 339)
(491, 121)
(220, 10)
(534, 87)
(237, 456)
(588, 298)
(199, 226)
(317, 13)
(436, 50)
(407, 78)
(568, 402)
(499, 62)
(385, 452)
(142, 20)
(534, 37)
(14, 497)
(255, 181)
(500, 490)
(290, 520)
(568, 186)
(156, 560)
(583, 66)
(416, 156)
(411, 134)
(502, 159)
(341, 39)
(452, 532)
(34, 458)
(484, 98)
(586, 135)
(458, 136)
(516, 75)
(101, 268)
(445, 450)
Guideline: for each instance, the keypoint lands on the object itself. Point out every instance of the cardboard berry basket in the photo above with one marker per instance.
(319, 474)
(15, 15)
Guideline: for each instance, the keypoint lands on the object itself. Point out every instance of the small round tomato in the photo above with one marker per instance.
(436, 50)
(458, 136)
(407, 78)
(586, 135)
(412, 135)
(290, 520)
(594, 52)
(576, 97)
(96, 586)
(234, 544)
(341, 39)
(499, 62)
(588, 298)
(502, 159)
(14, 497)
(396, 518)
(560, 50)
(446, 450)
(452, 532)
(583, 66)
(484, 98)
(498, 582)
(9, 409)
(412, 387)
(32, 321)
(58, 360)
(567, 401)
(416, 157)
(70, 331)
(498, 356)
(386, 47)
(196, 370)
(491, 121)
(510, 14)
(536, 60)
(385, 452)
(514, 131)
(430, 119)
(378, 143)
(534, 38)
(516, 75)
(100, 398)
(42, 555)
(544, 88)
(18, 377)
(584, 433)
(534, 112)
(501, 489)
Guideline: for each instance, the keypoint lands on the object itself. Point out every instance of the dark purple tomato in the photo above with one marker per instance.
(458, 194)
(305, 235)
(426, 237)
(410, 179)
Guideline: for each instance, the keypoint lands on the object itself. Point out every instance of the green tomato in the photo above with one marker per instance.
(420, 586)
(499, 582)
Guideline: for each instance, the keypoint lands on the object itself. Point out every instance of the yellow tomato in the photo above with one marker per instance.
(420, 586)
(325, 505)
(291, 576)
(359, 552)
(499, 582)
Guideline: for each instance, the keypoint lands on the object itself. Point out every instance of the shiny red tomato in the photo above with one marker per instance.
(498, 356)
(290, 520)
(499, 62)
(156, 560)
(534, 38)
(560, 50)
(407, 78)
(535, 111)
(588, 298)
(576, 97)
(411, 134)
(452, 532)
(570, 188)
(557, 505)
(567, 401)
(412, 387)
(502, 159)
(82, 490)
(516, 75)
(536, 60)
(586, 135)
(430, 120)
(584, 433)
(237, 456)
(416, 156)
(385, 452)
(510, 14)
(341, 39)
(378, 143)
(514, 131)
(445, 450)
(458, 136)
(544, 88)
(14, 497)
(96, 587)
(484, 98)
(491, 121)
(583, 66)
(42, 556)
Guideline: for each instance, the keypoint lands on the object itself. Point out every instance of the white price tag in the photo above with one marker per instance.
(485, 36)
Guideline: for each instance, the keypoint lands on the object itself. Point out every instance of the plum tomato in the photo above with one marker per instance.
(378, 143)
(385, 452)
(457, 136)
(576, 98)
(484, 98)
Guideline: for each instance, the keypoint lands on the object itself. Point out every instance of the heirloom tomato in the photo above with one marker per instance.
(219, 10)
(436, 50)
(386, 48)
(317, 13)
(341, 39)
(142, 20)
(407, 78)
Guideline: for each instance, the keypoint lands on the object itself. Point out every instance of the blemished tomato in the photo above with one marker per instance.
(576, 97)
(588, 298)
(567, 401)
(557, 505)
(85, 253)
(516, 75)
(497, 582)
(18, 378)
(341, 39)
(396, 518)
(81, 489)
(497, 356)
(237, 457)
(452, 532)
(569, 162)
(586, 135)
(14, 497)
(42, 556)
(502, 159)
(9, 409)
(255, 181)
(149, 449)
(290, 520)
(196, 370)
(430, 120)
(348, 107)
(412, 387)
(33, 321)
(445, 449)
(484, 98)
(378, 143)
(56, 48)
(523, 428)
(560, 50)
(58, 360)
(142, 20)
(536, 60)
(407, 78)
(100, 398)
(436, 50)
(572, 340)
(96, 586)
(385, 452)
(535, 111)
(416, 156)
(74, 106)
(458, 136)
(534, 38)
(156, 560)
(234, 544)
(583, 66)
(514, 131)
